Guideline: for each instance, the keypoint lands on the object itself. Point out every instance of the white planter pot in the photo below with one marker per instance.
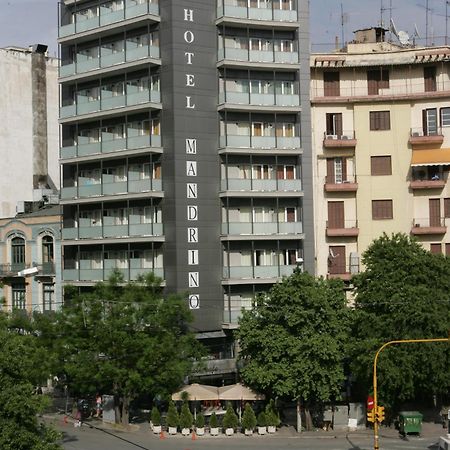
(271, 429)
(248, 432)
(262, 430)
(185, 431)
(214, 431)
(172, 430)
(229, 431)
(200, 431)
(157, 429)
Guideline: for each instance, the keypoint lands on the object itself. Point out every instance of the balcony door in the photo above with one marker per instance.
(435, 212)
(336, 170)
(430, 122)
(336, 260)
(334, 124)
(336, 215)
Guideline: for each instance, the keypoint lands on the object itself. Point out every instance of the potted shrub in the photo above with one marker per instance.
(230, 420)
(272, 418)
(200, 424)
(172, 418)
(248, 420)
(213, 425)
(155, 420)
(262, 423)
(186, 420)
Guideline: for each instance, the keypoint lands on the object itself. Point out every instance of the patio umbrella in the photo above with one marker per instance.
(239, 392)
(197, 392)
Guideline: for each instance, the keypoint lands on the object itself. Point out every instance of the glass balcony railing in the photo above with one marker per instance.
(261, 56)
(135, 267)
(262, 142)
(261, 228)
(270, 12)
(104, 15)
(83, 64)
(110, 146)
(108, 229)
(107, 102)
(249, 272)
(239, 184)
(246, 98)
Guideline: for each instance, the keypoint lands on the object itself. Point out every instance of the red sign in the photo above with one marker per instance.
(370, 402)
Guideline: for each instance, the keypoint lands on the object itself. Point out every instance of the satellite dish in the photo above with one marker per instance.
(403, 37)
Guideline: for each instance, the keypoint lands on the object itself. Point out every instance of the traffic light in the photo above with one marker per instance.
(380, 413)
(371, 415)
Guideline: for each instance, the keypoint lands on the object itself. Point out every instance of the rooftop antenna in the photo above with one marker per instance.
(402, 36)
(428, 10)
(343, 21)
(446, 21)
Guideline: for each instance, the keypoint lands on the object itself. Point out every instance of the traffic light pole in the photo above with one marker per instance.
(376, 445)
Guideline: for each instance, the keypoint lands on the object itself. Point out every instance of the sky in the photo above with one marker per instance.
(27, 22)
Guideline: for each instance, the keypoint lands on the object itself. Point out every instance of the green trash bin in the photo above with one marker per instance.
(410, 422)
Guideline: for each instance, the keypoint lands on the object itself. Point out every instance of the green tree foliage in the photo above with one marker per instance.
(213, 423)
(186, 419)
(173, 419)
(230, 419)
(248, 418)
(262, 419)
(155, 416)
(200, 421)
(272, 417)
(292, 341)
(404, 293)
(21, 370)
(124, 339)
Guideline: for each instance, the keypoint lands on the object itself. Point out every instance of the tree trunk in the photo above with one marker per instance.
(299, 417)
(308, 419)
(117, 415)
(126, 410)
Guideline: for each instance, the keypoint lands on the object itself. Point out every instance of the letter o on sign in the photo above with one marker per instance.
(189, 37)
(194, 302)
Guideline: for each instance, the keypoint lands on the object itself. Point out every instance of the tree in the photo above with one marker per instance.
(403, 293)
(292, 341)
(230, 419)
(125, 339)
(21, 370)
(248, 418)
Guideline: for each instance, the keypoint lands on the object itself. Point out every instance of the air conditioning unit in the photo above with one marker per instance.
(332, 136)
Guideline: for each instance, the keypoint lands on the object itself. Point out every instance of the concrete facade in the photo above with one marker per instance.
(408, 87)
(29, 138)
(186, 148)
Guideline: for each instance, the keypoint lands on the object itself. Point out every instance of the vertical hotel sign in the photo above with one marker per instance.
(193, 281)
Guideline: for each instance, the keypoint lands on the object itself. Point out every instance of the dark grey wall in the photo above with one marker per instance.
(178, 124)
(307, 161)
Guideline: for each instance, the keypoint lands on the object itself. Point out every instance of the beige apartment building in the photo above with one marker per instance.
(381, 145)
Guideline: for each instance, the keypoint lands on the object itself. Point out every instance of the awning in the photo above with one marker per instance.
(431, 157)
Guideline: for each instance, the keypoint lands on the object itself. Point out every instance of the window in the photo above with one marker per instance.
(17, 253)
(380, 165)
(445, 117)
(47, 253)
(380, 120)
(382, 209)
(336, 170)
(336, 259)
(436, 248)
(429, 78)
(447, 249)
(429, 122)
(18, 295)
(334, 124)
(377, 79)
(331, 84)
(447, 208)
(48, 296)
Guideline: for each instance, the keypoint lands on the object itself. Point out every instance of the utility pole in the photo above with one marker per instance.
(376, 421)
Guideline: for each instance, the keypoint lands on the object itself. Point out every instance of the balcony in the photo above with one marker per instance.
(259, 142)
(108, 144)
(85, 229)
(84, 64)
(230, 8)
(86, 188)
(106, 16)
(247, 55)
(257, 272)
(215, 367)
(107, 102)
(12, 270)
(258, 185)
(348, 228)
(419, 136)
(427, 226)
(236, 100)
(427, 184)
(130, 271)
(345, 140)
(348, 185)
(269, 229)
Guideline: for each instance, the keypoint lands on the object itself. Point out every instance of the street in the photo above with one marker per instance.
(86, 438)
